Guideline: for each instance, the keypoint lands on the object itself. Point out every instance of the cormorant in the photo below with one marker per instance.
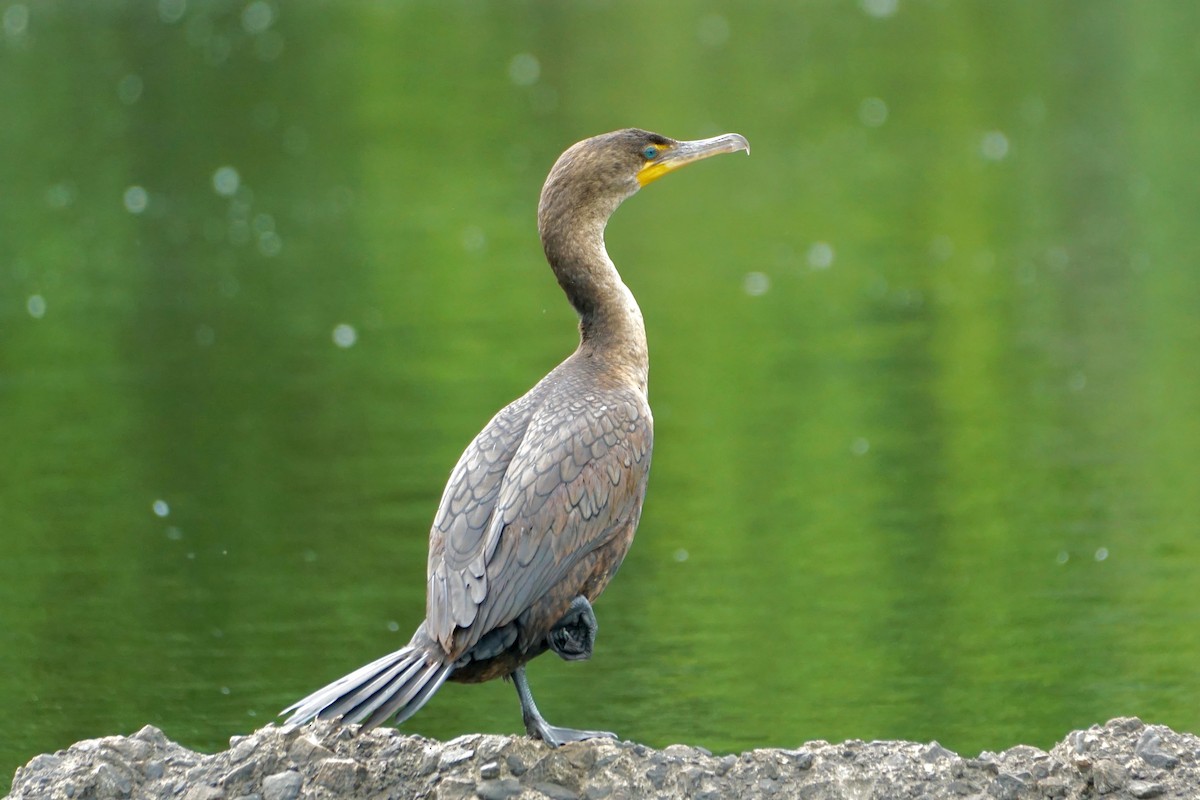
(542, 506)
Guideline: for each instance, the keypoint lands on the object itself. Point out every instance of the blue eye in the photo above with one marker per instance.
(650, 152)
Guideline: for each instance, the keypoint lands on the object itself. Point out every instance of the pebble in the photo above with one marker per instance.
(454, 757)
(205, 793)
(306, 749)
(935, 752)
(111, 783)
(1150, 749)
(597, 792)
(338, 775)
(242, 749)
(556, 791)
(152, 736)
(46, 761)
(1054, 787)
(1108, 776)
(282, 786)
(240, 773)
(455, 789)
(657, 775)
(498, 789)
(1007, 787)
(1144, 789)
(961, 787)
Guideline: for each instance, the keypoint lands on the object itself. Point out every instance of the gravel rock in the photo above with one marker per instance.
(1121, 760)
(1142, 789)
(282, 786)
(1152, 749)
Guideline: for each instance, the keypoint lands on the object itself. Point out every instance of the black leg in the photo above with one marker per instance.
(573, 636)
(536, 725)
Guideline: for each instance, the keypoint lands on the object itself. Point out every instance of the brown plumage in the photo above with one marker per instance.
(542, 506)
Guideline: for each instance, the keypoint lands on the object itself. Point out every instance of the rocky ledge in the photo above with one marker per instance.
(1123, 759)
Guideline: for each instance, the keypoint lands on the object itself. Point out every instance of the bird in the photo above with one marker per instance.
(541, 507)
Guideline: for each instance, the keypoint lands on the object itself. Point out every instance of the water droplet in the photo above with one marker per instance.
(344, 335)
(257, 17)
(820, 255)
(880, 8)
(161, 508)
(129, 89)
(60, 195)
(393, 626)
(136, 199)
(860, 446)
(1101, 553)
(16, 19)
(269, 244)
(994, 146)
(226, 181)
(681, 555)
(170, 11)
(524, 69)
(712, 30)
(941, 248)
(872, 112)
(225, 690)
(36, 306)
(217, 49)
(474, 240)
(1062, 557)
(174, 534)
(756, 284)
(239, 207)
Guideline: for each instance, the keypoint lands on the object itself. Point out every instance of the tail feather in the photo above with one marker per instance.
(359, 704)
(406, 699)
(399, 683)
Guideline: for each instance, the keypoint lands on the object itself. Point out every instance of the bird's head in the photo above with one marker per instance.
(597, 174)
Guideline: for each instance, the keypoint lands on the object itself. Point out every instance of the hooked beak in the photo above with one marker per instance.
(681, 154)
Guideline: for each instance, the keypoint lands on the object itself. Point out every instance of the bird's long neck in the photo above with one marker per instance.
(610, 321)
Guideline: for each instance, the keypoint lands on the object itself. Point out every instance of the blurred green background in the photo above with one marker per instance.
(924, 367)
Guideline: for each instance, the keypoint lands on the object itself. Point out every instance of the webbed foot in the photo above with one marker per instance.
(536, 725)
(574, 636)
(556, 736)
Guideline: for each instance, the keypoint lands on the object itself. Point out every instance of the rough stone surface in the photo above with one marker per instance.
(1121, 760)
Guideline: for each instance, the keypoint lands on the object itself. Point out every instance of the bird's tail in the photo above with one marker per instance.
(399, 683)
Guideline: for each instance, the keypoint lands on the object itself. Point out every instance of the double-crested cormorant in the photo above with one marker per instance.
(542, 506)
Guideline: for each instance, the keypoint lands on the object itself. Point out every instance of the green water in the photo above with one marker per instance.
(924, 367)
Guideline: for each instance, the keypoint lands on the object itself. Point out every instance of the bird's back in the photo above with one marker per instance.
(552, 479)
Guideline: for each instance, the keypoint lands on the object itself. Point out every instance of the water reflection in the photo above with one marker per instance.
(923, 368)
